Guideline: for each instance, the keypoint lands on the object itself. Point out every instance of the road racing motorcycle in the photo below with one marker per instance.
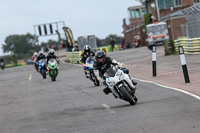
(2, 65)
(120, 84)
(89, 70)
(42, 68)
(52, 68)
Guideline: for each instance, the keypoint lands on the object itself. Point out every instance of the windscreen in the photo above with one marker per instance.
(90, 59)
(157, 29)
(111, 71)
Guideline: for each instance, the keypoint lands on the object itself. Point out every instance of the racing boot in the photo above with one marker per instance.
(86, 75)
(134, 82)
(135, 98)
(107, 90)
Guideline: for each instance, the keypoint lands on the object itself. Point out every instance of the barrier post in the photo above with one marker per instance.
(184, 65)
(154, 60)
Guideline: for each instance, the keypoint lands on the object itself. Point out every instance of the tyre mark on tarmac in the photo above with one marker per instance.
(108, 108)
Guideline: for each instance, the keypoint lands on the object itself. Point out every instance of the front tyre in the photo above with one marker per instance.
(44, 74)
(53, 76)
(126, 95)
(95, 80)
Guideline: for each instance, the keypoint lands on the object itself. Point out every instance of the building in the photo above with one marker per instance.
(135, 24)
(174, 12)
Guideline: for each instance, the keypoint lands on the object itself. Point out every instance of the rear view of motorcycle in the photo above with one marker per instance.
(42, 68)
(89, 70)
(52, 68)
(120, 84)
(2, 64)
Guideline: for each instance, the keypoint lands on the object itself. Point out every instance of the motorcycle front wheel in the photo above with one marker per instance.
(95, 80)
(44, 74)
(53, 76)
(126, 95)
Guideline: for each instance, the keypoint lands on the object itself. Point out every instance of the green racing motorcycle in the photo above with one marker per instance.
(52, 68)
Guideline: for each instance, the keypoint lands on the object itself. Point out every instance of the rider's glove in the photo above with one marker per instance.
(104, 83)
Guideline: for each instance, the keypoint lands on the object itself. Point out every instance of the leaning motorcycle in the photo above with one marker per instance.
(42, 68)
(52, 68)
(120, 84)
(89, 70)
(2, 64)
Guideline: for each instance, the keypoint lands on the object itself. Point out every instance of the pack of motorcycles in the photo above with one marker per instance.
(51, 68)
(118, 82)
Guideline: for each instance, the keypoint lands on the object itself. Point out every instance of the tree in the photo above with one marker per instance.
(21, 45)
(14, 59)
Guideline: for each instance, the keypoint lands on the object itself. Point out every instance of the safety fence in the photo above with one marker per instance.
(74, 57)
(190, 45)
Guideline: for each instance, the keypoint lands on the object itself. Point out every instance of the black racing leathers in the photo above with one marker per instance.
(49, 56)
(40, 57)
(85, 55)
(100, 68)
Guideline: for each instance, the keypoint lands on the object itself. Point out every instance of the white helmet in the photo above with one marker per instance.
(51, 52)
(87, 48)
(35, 54)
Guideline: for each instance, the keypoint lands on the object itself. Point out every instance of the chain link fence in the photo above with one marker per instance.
(193, 23)
(87, 40)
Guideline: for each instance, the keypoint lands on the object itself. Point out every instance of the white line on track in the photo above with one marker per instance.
(30, 77)
(108, 108)
(172, 88)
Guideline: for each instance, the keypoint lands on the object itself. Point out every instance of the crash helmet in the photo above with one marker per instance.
(35, 54)
(86, 48)
(41, 53)
(100, 56)
(51, 52)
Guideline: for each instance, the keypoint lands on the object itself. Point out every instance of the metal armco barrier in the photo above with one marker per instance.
(184, 65)
(190, 45)
(74, 57)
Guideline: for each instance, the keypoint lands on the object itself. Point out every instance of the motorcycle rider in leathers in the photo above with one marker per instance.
(101, 64)
(51, 55)
(40, 56)
(86, 53)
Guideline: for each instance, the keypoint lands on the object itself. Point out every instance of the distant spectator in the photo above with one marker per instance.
(122, 43)
(47, 48)
(138, 39)
(75, 47)
(112, 43)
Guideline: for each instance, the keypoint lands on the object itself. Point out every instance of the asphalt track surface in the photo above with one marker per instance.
(72, 104)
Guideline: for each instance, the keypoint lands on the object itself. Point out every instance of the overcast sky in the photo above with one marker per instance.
(84, 17)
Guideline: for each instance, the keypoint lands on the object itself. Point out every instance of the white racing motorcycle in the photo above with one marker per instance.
(89, 70)
(120, 84)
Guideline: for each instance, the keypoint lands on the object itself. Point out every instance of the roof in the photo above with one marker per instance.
(174, 14)
(187, 11)
(192, 9)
